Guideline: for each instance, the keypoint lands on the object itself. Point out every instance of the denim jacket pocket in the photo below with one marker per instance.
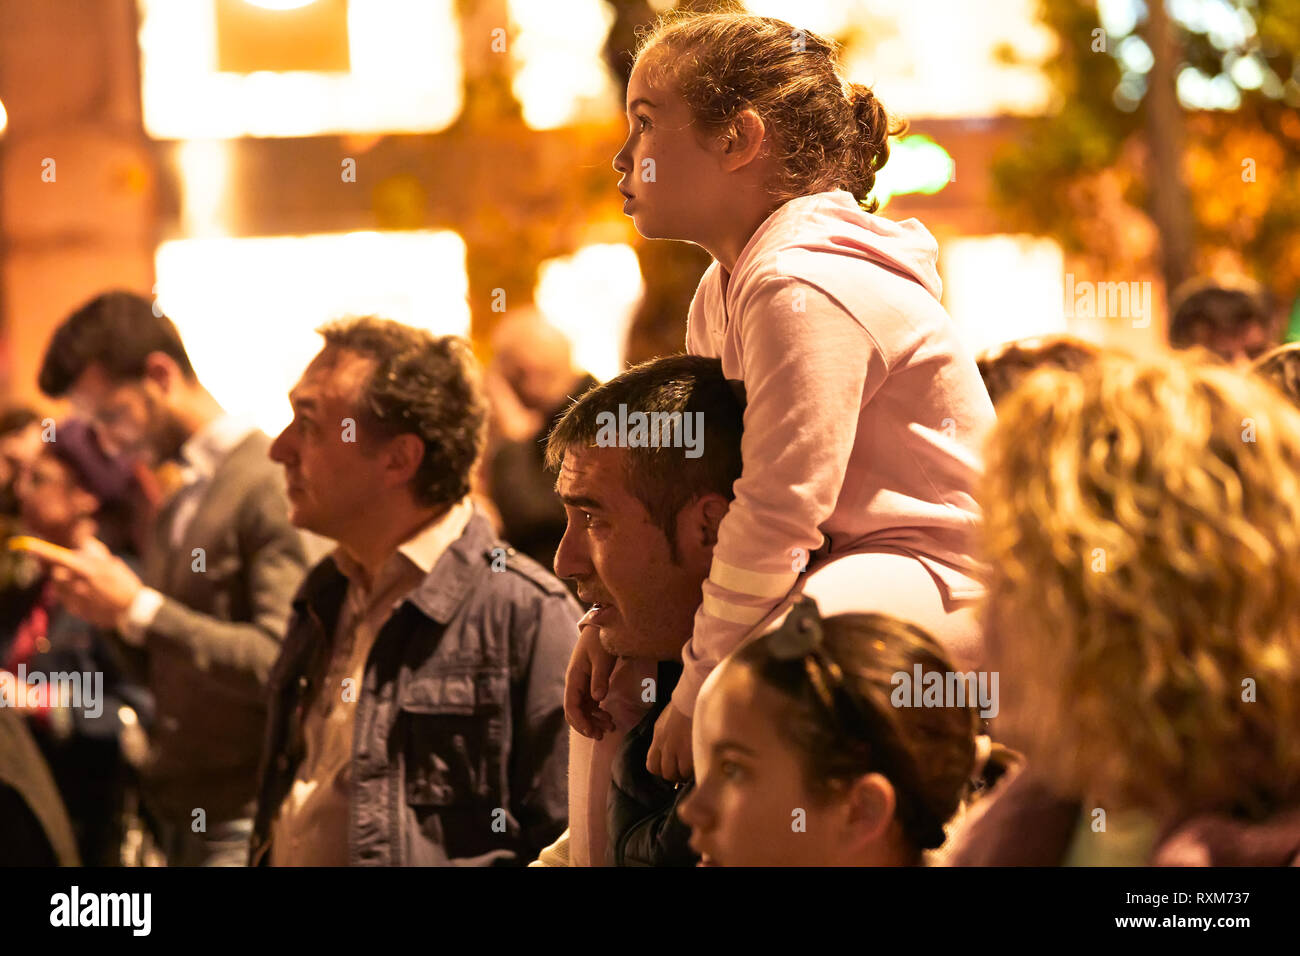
(452, 740)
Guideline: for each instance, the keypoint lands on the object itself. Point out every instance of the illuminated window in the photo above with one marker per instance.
(247, 308)
(559, 51)
(989, 310)
(934, 58)
(591, 297)
(404, 76)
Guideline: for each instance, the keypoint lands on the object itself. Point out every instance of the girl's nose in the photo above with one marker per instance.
(693, 811)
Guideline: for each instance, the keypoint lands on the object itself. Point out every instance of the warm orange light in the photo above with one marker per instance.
(279, 4)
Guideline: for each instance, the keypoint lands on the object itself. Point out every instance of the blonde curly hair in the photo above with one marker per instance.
(1281, 366)
(1142, 525)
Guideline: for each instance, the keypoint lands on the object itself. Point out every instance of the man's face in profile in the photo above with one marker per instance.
(330, 473)
(621, 559)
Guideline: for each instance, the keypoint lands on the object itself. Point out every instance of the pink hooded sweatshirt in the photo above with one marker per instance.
(864, 413)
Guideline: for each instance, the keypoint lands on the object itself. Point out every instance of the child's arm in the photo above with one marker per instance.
(809, 368)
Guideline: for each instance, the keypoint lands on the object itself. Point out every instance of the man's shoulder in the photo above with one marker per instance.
(508, 560)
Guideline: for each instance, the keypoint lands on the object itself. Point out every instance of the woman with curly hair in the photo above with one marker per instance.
(1281, 366)
(1142, 523)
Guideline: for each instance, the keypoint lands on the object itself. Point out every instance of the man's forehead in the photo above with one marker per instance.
(334, 376)
(92, 385)
(594, 472)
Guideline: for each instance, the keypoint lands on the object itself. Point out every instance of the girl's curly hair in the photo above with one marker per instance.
(827, 133)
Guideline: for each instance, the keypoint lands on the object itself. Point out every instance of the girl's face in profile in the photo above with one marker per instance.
(671, 181)
(750, 806)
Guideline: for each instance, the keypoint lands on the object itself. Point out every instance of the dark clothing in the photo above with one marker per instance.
(34, 827)
(81, 743)
(461, 749)
(644, 828)
(532, 515)
(1027, 824)
(212, 643)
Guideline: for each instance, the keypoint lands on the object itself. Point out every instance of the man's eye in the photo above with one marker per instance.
(731, 770)
(645, 122)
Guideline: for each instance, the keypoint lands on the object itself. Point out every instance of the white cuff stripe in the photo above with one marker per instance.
(752, 583)
(734, 613)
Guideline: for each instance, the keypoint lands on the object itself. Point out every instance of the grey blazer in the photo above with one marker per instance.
(227, 588)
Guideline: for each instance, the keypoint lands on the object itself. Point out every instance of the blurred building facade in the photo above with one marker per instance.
(264, 165)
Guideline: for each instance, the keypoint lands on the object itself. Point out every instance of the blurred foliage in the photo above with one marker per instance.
(1080, 173)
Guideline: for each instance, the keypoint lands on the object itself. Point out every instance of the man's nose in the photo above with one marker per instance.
(279, 448)
(571, 559)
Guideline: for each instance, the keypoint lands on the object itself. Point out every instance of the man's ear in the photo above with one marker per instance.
(713, 508)
(870, 805)
(161, 369)
(403, 454)
(743, 142)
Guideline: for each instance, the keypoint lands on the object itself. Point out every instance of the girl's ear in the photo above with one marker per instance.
(743, 142)
(870, 804)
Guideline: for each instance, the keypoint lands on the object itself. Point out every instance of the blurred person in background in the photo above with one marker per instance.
(530, 382)
(1233, 321)
(219, 572)
(21, 428)
(70, 495)
(20, 442)
(1281, 367)
(1142, 527)
(417, 706)
(1005, 366)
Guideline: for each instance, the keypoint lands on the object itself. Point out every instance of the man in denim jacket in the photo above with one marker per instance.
(416, 710)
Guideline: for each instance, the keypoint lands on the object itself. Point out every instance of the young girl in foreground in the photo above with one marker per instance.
(804, 718)
(863, 410)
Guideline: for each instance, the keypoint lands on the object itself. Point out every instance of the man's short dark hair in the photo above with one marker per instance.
(1006, 366)
(664, 479)
(116, 331)
(424, 385)
(1205, 305)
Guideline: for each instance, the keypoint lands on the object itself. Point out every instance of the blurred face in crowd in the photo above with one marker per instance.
(133, 419)
(751, 805)
(1238, 346)
(18, 449)
(621, 560)
(535, 360)
(52, 502)
(335, 471)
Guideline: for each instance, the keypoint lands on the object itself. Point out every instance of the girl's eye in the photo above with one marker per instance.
(731, 770)
(644, 120)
